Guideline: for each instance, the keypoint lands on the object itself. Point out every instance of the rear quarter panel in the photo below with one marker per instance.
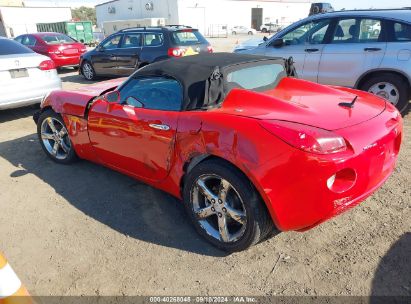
(398, 58)
(238, 140)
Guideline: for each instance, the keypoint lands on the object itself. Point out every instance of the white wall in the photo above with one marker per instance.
(202, 14)
(136, 9)
(234, 13)
(23, 20)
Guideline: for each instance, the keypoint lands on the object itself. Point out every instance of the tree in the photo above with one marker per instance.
(84, 13)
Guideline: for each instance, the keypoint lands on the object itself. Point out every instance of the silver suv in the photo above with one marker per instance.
(369, 50)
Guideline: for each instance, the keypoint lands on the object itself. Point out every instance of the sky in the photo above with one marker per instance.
(337, 4)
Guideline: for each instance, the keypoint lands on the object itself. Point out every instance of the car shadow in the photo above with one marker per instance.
(124, 204)
(14, 114)
(392, 280)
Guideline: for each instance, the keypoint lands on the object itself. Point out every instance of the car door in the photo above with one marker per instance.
(136, 135)
(305, 44)
(104, 58)
(154, 47)
(128, 55)
(356, 47)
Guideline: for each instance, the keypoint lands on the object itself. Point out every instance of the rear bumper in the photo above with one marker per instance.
(301, 194)
(28, 95)
(61, 61)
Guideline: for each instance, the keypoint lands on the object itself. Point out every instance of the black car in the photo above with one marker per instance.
(122, 53)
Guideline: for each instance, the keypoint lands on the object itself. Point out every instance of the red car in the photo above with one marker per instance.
(62, 49)
(247, 147)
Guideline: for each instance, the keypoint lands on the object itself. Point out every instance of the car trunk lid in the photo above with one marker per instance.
(305, 102)
(68, 49)
(16, 68)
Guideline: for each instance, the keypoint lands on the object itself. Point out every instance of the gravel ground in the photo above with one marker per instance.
(86, 230)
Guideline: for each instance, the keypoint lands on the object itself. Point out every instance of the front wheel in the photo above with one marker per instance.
(224, 207)
(234, 33)
(390, 87)
(250, 33)
(54, 138)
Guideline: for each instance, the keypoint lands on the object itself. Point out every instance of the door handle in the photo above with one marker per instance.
(311, 50)
(372, 49)
(159, 127)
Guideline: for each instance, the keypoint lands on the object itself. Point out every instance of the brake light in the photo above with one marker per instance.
(210, 49)
(47, 65)
(176, 52)
(306, 138)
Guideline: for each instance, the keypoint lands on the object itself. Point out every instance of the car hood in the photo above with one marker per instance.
(305, 102)
(98, 88)
(248, 45)
(75, 102)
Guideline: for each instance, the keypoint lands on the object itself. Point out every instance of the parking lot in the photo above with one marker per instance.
(87, 230)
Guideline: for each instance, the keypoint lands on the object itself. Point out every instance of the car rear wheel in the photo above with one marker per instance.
(88, 71)
(224, 206)
(264, 30)
(390, 87)
(54, 138)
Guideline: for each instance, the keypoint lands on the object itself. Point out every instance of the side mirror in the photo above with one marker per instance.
(265, 38)
(112, 97)
(277, 43)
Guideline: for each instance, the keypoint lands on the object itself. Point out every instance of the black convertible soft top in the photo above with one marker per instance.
(202, 76)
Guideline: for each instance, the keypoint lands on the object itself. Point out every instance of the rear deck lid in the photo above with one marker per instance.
(305, 102)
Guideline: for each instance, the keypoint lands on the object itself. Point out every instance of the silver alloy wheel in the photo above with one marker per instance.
(387, 91)
(55, 138)
(219, 208)
(88, 71)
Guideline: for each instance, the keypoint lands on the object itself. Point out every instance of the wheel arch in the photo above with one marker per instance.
(369, 74)
(190, 164)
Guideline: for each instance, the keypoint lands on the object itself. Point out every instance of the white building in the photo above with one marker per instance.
(15, 21)
(61, 3)
(206, 14)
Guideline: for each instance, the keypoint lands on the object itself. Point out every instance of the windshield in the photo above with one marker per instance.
(256, 78)
(188, 37)
(9, 47)
(57, 39)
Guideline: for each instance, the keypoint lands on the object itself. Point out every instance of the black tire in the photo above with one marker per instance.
(264, 30)
(250, 33)
(69, 155)
(87, 70)
(258, 224)
(397, 81)
(234, 33)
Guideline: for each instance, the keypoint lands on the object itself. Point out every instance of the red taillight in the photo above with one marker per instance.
(176, 52)
(47, 65)
(306, 138)
(210, 49)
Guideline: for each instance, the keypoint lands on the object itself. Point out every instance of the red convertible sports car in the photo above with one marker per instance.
(246, 146)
